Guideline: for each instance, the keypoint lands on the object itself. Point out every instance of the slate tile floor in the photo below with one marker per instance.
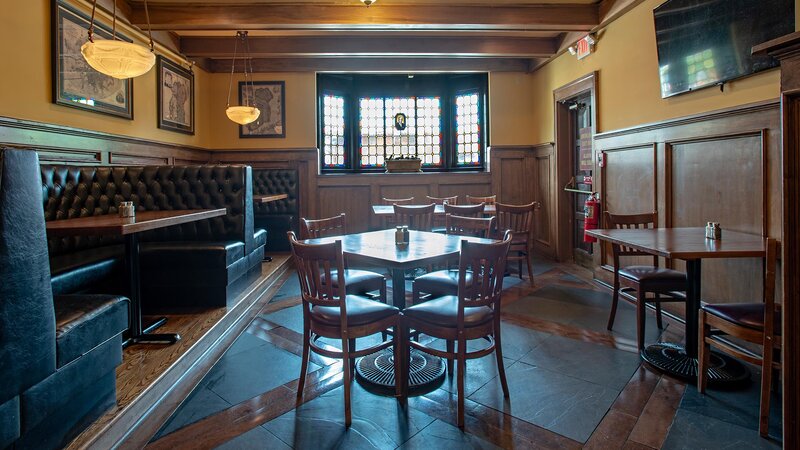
(566, 374)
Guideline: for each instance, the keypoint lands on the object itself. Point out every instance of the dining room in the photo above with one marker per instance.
(400, 224)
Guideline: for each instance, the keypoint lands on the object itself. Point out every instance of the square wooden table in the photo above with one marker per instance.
(388, 210)
(377, 248)
(130, 227)
(690, 245)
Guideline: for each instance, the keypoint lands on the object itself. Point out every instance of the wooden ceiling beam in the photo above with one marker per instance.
(165, 16)
(402, 65)
(274, 46)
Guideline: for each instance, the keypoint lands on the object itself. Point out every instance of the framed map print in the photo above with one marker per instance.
(269, 97)
(75, 83)
(175, 97)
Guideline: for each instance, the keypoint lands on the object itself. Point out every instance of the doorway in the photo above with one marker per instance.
(575, 125)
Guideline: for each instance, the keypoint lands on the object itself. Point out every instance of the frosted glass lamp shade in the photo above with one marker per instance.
(243, 114)
(118, 59)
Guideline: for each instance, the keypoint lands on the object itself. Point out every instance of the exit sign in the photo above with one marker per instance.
(584, 47)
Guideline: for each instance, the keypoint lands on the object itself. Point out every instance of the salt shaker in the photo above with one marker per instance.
(713, 231)
(126, 209)
(398, 236)
(405, 235)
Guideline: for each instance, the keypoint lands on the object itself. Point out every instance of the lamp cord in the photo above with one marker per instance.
(233, 65)
(149, 27)
(91, 22)
(250, 62)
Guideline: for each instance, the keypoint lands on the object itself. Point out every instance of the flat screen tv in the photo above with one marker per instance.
(704, 43)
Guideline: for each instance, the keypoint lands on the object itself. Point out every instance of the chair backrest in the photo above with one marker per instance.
(330, 226)
(631, 221)
(517, 218)
(419, 218)
(398, 201)
(489, 200)
(465, 210)
(469, 226)
(315, 264)
(440, 200)
(488, 265)
(27, 316)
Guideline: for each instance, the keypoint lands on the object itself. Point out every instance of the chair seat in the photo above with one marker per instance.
(441, 282)
(652, 274)
(358, 281)
(360, 311)
(750, 315)
(443, 311)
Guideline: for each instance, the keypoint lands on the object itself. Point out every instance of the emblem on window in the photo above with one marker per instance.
(400, 121)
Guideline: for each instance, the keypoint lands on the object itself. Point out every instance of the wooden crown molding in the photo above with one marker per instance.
(376, 64)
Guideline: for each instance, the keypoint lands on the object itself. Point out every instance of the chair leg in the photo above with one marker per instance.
(519, 265)
(304, 363)
(414, 293)
(659, 322)
(640, 318)
(352, 348)
(398, 348)
(614, 301)
(530, 266)
(766, 386)
(405, 357)
(348, 419)
(501, 369)
(703, 353)
(462, 370)
(450, 349)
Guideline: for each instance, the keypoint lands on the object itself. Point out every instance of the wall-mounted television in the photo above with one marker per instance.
(705, 43)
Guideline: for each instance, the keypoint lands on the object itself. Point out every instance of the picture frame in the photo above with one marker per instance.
(175, 96)
(270, 98)
(75, 83)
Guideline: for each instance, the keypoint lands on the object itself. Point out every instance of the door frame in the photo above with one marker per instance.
(564, 155)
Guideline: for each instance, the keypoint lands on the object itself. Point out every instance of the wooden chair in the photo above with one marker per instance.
(474, 313)
(440, 200)
(475, 210)
(329, 312)
(490, 200)
(389, 221)
(445, 282)
(419, 218)
(518, 219)
(758, 323)
(642, 279)
(358, 281)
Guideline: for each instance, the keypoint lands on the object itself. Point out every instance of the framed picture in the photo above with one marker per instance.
(175, 97)
(75, 83)
(269, 97)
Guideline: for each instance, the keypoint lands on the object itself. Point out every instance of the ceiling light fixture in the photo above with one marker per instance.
(246, 113)
(115, 58)
(368, 2)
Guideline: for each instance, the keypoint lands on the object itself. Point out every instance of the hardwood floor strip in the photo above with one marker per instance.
(656, 418)
(633, 398)
(568, 331)
(612, 432)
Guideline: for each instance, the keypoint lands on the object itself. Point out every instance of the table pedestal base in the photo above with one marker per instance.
(673, 360)
(376, 372)
(148, 337)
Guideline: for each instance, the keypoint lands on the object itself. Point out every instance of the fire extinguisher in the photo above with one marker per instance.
(592, 210)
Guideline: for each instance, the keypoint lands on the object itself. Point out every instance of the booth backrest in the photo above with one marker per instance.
(72, 191)
(27, 316)
(277, 181)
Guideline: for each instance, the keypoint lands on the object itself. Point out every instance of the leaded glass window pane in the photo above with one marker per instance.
(429, 130)
(371, 126)
(333, 142)
(468, 130)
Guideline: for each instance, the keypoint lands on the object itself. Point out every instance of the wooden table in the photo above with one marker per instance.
(388, 210)
(266, 198)
(690, 245)
(130, 229)
(378, 248)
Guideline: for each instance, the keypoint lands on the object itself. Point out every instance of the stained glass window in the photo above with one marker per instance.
(468, 130)
(372, 132)
(400, 142)
(429, 131)
(333, 148)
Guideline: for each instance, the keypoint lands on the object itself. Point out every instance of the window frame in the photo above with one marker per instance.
(353, 87)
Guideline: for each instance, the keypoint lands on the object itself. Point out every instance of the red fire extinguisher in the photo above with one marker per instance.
(592, 210)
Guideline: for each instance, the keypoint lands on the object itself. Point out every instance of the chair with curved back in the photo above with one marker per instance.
(661, 282)
(388, 221)
(474, 313)
(438, 221)
(416, 217)
(358, 281)
(329, 312)
(475, 210)
(758, 323)
(445, 282)
(518, 219)
(489, 200)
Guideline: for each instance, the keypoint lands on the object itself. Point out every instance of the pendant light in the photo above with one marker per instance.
(368, 2)
(118, 59)
(246, 113)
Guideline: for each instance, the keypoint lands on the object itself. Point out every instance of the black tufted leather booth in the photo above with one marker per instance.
(57, 355)
(193, 264)
(280, 216)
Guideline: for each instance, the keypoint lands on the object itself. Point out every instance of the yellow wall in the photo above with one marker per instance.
(301, 124)
(26, 89)
(628, 82)
(511, 111)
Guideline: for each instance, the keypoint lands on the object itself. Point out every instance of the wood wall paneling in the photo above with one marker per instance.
(353, 201)
(544, 189)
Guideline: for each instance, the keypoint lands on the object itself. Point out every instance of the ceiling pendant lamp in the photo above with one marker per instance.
(368, 2)
(246, 113)
(118, 59)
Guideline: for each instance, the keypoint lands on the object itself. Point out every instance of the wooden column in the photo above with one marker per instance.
(787, 50)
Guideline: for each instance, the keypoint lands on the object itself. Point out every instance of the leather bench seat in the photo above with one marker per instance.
(77, 271)
(83, 322)
(278, 225)
(279, 216)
